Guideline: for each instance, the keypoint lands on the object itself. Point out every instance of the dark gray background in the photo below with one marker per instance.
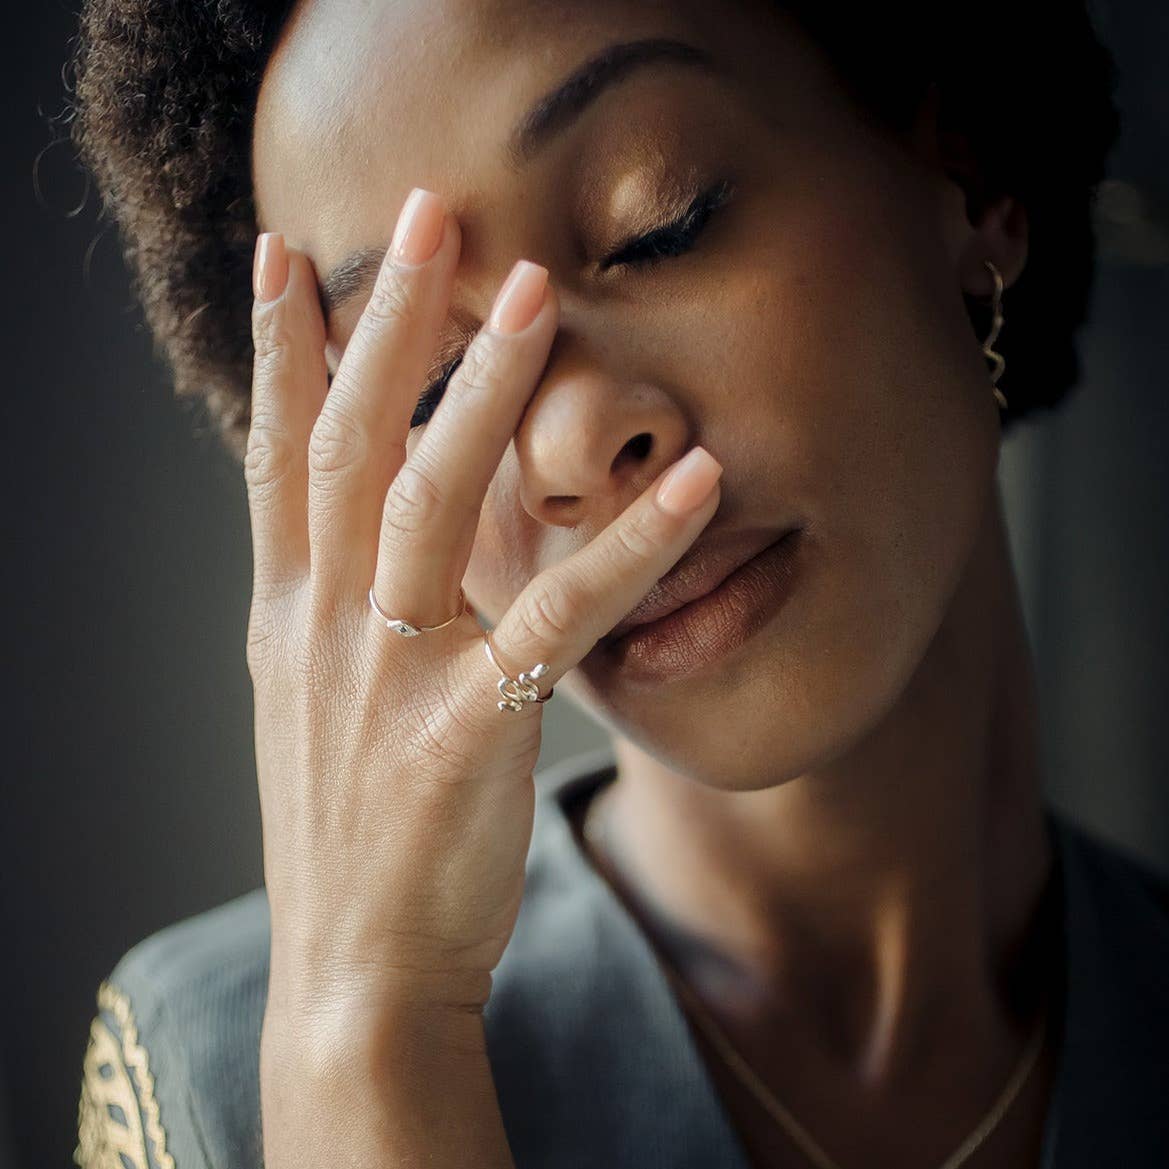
(128, 789)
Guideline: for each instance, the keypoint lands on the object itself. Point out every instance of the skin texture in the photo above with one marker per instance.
(835, 831)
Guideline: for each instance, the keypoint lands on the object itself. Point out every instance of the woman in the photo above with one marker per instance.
(705, 301)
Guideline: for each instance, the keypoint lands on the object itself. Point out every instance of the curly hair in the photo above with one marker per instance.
(164, 95)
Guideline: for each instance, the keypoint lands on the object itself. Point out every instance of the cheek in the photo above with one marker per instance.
(503, 555)
(876, 371)
(869, 404)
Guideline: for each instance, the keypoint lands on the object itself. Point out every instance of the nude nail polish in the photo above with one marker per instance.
(689, 482)
(519, 300)
(419, 228)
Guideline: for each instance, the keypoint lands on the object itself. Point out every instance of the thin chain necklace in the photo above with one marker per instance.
(593, 832)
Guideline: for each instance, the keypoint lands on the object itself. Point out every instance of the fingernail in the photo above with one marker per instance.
(270, 266)
(689, 482)
(419, 229)
(520, 298)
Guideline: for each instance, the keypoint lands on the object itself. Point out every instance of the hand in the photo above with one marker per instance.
(396, 798)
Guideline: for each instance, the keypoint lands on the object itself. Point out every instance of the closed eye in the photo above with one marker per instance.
(672, 239)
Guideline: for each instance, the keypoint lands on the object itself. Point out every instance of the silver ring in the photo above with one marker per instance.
(517, 691)
(404, 628)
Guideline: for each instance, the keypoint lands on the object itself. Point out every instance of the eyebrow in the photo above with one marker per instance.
(549, 118)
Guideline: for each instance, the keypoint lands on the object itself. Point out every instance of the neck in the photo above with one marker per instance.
(890, 897)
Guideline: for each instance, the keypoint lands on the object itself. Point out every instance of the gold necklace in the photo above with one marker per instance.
(592, 831)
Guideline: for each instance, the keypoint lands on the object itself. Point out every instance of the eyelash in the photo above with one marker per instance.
(644, 251)
(672, 239)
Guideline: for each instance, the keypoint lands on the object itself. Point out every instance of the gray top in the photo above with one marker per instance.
(593, 1059)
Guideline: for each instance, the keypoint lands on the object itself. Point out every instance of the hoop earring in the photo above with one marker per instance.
(996, 323)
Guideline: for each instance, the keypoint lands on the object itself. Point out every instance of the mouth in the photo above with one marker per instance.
(705, 570)
(712, 601)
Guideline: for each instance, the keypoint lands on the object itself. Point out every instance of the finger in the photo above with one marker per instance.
(431, 510)
(359, 441)
(564, 611)
(289, 381)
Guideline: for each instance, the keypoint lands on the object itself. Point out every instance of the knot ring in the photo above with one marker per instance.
(517, 691)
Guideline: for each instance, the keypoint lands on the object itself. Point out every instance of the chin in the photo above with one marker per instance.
(793, 698)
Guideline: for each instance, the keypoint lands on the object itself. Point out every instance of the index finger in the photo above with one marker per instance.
(568, 608)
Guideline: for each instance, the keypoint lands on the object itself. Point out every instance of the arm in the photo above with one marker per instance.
(396, 789)
(401, 1087)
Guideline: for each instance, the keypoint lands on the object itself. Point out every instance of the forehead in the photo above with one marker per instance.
(364, 99)
(431, 85)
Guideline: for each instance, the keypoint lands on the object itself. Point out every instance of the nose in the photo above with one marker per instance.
(590, 442)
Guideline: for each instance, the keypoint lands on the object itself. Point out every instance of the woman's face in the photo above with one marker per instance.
(813, 336)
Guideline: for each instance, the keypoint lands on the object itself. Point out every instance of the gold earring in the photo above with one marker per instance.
(996, 323)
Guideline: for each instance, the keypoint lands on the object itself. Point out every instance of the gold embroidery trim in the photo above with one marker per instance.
(102, 1141)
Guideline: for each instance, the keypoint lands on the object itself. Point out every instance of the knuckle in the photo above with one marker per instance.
(306, 668)
(275, 584)
(260, 649)
(445, 741)
(463, 708)
(547, 612)
(270, 454)
(391, 299)
(336, 443)
(483, 367)
(270, 336)
(640, 539)
(414, 499)
(268, 640)
(329, 616)
(314, 666)
(273, 347)
(258, 655)
(445, 737)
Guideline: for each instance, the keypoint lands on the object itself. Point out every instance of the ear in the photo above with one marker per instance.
(993, 225)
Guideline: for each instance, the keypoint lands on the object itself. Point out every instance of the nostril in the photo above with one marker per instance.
(637, 448)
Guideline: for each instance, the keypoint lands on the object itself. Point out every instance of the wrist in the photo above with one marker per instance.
(321, 982)
(327, 1032)
(371, 1034)
(412, 1085)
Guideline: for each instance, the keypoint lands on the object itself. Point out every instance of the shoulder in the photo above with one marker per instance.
(1115, 1061)
(1117, 919)
(1118, 879)
(171, 1073)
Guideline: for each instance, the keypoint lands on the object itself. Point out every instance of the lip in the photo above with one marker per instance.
(704, 608)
